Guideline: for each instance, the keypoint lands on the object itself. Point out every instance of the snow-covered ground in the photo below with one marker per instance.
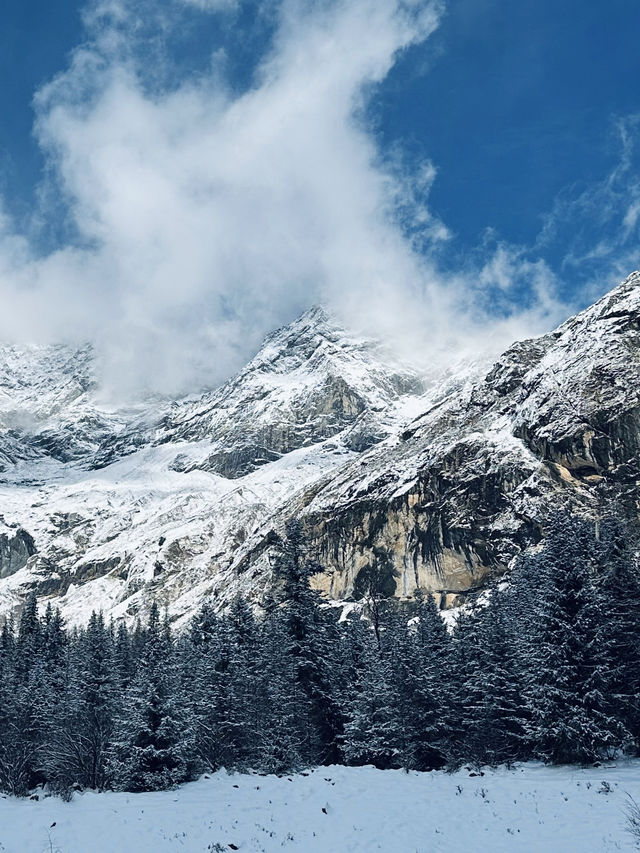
(530, 808)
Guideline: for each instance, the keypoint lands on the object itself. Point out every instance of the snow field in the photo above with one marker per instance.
(530, 808)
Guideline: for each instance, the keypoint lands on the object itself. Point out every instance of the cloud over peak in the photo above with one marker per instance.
(200, 218)
(196, 212)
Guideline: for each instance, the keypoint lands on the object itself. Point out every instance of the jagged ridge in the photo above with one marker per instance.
(445, 483)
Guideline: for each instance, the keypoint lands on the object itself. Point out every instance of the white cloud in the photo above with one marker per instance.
(212, 5)
(204, 218)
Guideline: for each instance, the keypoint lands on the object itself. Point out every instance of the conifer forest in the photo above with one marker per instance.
(544, 665)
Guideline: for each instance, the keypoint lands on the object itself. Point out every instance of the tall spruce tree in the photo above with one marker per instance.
(371, 733)
(568, 658)
(28, 699)
(200, 656)
(312, 644)
(153, 746)
(618, 600)
(83, 741)
(280, 708)
(11, 779)
(424, 684)
(490, 685)
(54, 703)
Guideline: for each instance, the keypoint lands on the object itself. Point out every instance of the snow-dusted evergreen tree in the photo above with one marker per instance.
(98, 697)
(371, 733)
(14, 747)
(80, 746)
(568, 675)
(30, 698)
(29, 640)
(399, 713)
(54, 704)
(125, 662)
(237, 721)
(374, 585)
(424, 687)
(218, 662)
(279, 709)
(200, 661)
(312, 645)
(618, 593)
(153, 746)
(489, 684)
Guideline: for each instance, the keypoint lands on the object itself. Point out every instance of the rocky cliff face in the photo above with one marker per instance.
(438, 486)
(467, 484)
(16, 546)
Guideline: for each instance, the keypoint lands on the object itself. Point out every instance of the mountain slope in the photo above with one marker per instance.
(468, 483)
(167, 506)
(109, 507)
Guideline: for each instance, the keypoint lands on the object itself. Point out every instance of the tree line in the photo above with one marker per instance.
(545, 664)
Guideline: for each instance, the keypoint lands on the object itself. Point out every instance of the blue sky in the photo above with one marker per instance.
(500, 138)
(518, 105)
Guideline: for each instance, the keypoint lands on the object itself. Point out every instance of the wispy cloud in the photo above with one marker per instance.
(588, 242)
(597, 225)
(199, 217)
(213, 5)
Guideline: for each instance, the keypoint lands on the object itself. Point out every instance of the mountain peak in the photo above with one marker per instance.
(111, 509)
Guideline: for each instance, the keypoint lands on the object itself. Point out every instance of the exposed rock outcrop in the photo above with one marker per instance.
(15, 550)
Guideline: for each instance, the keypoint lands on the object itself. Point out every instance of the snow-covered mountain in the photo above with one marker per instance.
(110, 507)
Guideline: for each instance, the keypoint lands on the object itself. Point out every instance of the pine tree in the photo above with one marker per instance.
(54, 704)
(618, 600)
(313, 642)
(218, 662)
(153, 745)
(490, 684)
(125, 662)
(374, 584)
(200, 666)
(29, 640)
(569, 660)
(20, 753)
(371, 733)
(80, 745)
(279, 709)
(10, 778)
(423, 687)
